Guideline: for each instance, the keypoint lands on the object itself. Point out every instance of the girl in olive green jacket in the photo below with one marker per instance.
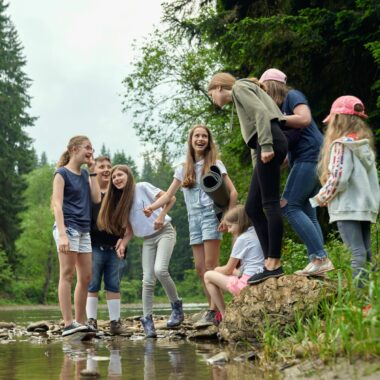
(260, 123)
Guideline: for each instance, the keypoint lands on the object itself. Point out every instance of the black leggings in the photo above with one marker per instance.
(263, 201)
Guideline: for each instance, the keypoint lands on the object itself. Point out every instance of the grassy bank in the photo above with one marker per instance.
(348, 325)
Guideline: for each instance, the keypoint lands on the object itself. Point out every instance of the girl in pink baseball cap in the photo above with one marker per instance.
(305, 141)
(348, 173)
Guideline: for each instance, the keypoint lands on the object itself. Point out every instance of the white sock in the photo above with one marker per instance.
(114, 367)
(92, 307)
(114, 309)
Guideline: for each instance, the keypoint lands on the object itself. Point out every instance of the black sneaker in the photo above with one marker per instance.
(73, 328)
(260, 277)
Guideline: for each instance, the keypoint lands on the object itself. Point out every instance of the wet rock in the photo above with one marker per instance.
(89, 373)
(250, 355)
(41, 326)
(7, 325)
(220, 358)
(273, 302)
(209, 332)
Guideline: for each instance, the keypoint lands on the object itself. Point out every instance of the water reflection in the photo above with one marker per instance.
(80, 357)
(147, 359)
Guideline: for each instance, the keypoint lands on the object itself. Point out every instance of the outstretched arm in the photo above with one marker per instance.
(164, 199)
(301, 117)
(159, 222)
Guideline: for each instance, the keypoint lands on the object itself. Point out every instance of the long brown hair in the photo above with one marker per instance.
(74, 142)
(237, 215)
(276, 90)
(114, 213)
(341, 125)
(210, 157)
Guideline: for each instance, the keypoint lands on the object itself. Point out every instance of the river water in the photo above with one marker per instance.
(112, 357)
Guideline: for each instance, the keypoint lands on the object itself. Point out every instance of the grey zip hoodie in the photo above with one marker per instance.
(357, 194)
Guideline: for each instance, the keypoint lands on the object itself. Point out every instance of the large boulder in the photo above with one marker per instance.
(273, 302)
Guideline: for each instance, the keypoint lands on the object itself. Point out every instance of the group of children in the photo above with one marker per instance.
(104, 206)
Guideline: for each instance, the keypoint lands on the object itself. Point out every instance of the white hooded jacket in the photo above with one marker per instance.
(352, 190)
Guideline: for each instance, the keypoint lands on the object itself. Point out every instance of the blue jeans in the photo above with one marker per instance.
(105, 262)
(356, 235)
(302, 184)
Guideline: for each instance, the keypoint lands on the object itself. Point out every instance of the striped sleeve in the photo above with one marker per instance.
(329, 190)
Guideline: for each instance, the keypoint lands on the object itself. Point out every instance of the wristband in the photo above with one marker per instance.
(93, 174)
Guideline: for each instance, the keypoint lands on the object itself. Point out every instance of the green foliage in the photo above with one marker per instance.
(166, 90)
(17, 156)
(38, 264)
(191, 286)
(131, 290)
(5, 274)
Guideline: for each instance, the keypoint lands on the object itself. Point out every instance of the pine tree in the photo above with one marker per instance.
(104, 151)
(43, 159)
(16, 154)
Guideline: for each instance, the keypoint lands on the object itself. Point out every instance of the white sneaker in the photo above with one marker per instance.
(316, 269)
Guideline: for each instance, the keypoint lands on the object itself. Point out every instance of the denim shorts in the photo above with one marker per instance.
(203, 225)
(78, 241)
(106, 264)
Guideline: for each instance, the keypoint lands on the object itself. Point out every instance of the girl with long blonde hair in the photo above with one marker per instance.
(348, 173)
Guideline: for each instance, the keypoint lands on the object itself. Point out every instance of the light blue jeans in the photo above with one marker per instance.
(302, 184)
(356, 235)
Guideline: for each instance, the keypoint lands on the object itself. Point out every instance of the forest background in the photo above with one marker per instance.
(327, 49)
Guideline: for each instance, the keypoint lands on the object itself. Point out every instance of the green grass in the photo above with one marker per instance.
(338, 326)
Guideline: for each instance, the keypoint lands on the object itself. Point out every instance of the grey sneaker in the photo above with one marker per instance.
(73, 328)
(316, 269)
(207, 319)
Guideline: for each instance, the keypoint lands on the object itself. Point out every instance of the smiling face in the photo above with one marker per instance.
(119, 179)
(84, 152)
(200, 141)
(103, 169)
(233, 228)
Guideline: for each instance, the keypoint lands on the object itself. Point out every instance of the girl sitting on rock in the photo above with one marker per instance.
(247, 259)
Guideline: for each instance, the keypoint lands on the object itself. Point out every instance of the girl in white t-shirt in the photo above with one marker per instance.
(122, 213)
(204, 226)
(247, 259)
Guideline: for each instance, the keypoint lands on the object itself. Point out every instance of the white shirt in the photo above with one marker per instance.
(248, 250)
(179, 174)
(145, 195)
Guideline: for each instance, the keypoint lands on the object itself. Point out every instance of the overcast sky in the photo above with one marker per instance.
(78, 52)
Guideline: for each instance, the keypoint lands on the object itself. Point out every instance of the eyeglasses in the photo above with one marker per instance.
(88, 147)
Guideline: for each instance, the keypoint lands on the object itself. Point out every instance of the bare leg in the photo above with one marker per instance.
(216, 283)
(66, 272)
(83, 266)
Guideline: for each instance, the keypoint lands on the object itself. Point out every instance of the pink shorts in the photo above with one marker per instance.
(236, 284)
